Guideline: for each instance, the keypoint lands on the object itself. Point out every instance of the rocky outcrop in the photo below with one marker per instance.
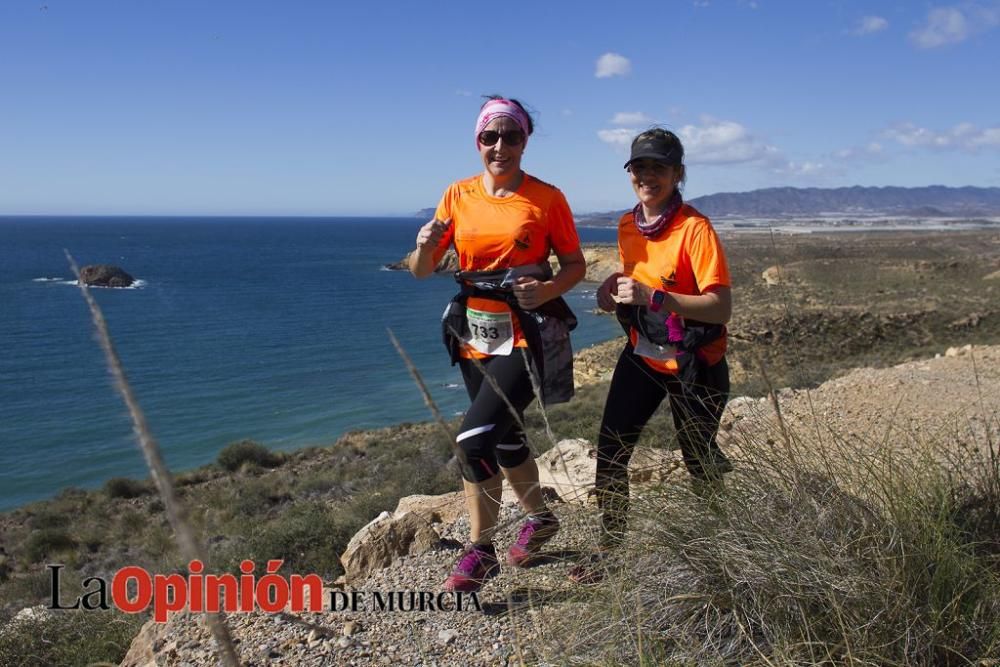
(569, 468)
(151, 647)
(411, 529)
(601, 261)
(105, 275)
(448, 264)
(772, 275)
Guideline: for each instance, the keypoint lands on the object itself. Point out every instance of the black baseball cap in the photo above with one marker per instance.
(664, 147)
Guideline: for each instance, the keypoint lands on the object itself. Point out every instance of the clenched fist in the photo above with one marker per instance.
(430, 234)
(632, 292)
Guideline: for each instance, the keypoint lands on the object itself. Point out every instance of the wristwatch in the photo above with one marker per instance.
(656, 300)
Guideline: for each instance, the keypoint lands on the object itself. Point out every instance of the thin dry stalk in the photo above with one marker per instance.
(438, 418)
(773, 395)
(537, 388)
(184, 534)
(517, 635)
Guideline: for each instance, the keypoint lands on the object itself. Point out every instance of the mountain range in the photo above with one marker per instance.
(933, 201)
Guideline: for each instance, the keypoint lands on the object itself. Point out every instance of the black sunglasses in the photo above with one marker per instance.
(510, 137)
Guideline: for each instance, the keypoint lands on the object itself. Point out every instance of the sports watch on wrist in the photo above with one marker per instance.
(656, 300)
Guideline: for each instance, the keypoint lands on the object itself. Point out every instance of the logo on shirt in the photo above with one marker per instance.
(669, 281)
(523, 242)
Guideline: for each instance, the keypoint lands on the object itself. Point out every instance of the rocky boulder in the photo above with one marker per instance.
(105, 275)
(448, 264)
(386, 538)
(570, 467)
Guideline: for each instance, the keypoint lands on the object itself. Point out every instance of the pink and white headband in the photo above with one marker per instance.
(501, 107)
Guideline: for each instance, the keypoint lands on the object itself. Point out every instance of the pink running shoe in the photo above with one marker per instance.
(476, 566)
(534, 533)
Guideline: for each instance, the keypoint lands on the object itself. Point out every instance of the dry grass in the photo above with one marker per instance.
(849, 551)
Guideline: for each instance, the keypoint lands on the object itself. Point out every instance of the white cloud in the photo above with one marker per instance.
(631, 118)
(951, 25)
(806, 168)
(723, 142)
(619, 137)
(945, 25)
(870, 24)
(964, 136)
(870, 151)
(612, 64)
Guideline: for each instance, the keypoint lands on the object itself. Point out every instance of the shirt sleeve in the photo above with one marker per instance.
(708, 259)
(445, 210)
(562, 229)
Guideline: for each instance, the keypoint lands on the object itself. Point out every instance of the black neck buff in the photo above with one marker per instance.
(653, 228)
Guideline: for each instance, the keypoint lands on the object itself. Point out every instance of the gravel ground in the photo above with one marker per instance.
(502, 632)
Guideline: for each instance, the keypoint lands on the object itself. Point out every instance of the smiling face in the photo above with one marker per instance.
(653, 183)
(502, 160)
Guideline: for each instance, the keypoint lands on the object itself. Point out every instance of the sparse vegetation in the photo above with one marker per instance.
(234, 456)
(69, 639)
(125, 487)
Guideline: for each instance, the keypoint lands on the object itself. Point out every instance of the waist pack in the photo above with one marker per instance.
(684, 334)
(546, 328)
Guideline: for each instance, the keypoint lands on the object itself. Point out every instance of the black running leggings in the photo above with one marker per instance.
(489, 435)
(636, 392)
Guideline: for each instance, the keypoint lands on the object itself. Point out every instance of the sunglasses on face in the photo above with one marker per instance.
(510, 137)
(655, 168)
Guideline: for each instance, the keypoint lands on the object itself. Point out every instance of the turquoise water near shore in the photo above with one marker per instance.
(266, 328)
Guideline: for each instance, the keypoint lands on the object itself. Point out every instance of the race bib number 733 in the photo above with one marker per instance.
(490, 333)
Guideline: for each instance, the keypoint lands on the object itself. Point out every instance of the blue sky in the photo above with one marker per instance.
(367, 108)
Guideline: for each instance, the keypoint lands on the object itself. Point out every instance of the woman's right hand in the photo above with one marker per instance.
(430, 234)
(606, 292)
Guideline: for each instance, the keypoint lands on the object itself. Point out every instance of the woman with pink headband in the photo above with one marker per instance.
(505, 322)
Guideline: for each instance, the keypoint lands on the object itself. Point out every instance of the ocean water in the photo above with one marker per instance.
(272, 329)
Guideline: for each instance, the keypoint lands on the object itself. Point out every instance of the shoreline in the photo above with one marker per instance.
(803, 294)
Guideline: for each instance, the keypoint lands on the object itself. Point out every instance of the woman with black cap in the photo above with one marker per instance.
(673, 299)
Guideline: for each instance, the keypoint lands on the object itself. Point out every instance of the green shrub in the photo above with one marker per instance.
(47, 542)
(309, 537)
(125, 487)
(47, 517)
(70, 639)
(247, 451)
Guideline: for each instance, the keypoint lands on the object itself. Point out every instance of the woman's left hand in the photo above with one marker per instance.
(632, 292)
(531, 292)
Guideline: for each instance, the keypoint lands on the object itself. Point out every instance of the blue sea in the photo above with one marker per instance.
(272, 329)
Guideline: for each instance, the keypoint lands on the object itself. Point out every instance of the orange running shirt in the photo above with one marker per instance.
(492, 233)
(687, 258)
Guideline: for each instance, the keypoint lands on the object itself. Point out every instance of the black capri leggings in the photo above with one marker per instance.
(490, 435)
(636, 392)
